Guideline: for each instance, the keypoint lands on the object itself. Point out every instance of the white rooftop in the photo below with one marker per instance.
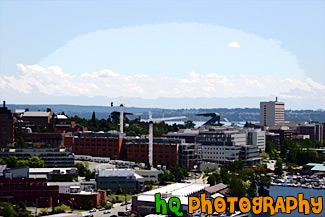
(116, 172)
(62, 117)
(48, 170)
(180, 190)
(36, 114)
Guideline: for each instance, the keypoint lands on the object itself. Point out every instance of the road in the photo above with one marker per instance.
(199, 180)
(115, 209)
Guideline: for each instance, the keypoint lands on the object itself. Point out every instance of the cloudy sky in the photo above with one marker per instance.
(149, 49)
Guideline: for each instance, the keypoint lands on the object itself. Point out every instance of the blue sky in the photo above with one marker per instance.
(154, 49)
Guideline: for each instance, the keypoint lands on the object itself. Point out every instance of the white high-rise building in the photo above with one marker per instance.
(255, 137)
(271, 113)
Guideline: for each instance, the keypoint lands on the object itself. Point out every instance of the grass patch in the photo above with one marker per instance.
(78, 210)
(121, 198)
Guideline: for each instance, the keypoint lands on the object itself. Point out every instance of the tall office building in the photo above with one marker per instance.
(271, 113)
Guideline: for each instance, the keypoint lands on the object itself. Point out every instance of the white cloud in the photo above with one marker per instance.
(52, 81)
(233, 44)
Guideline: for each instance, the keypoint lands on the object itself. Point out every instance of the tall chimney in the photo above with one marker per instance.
(4, 103)
(276, 99)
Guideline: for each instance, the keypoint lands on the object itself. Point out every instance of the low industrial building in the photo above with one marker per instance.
(52, 157)
(144, 203)
(113, 178)
(16, 185)
(55, 173)
(74, 187)
(148, 175)
(83, 199)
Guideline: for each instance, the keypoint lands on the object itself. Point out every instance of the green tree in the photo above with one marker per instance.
(274, 154)
(263, 182)
(109, 191)
(103, 203)
(119, 190)
(8, 210)
(179, 173)
(11, 161)
(61, 209)
(94, 120)
(44, 212)
(264, 155)
(269, 147)
(21, 142)
(2, 162)
(90, 175)
(224, 175)
(238, 186)
(166, 176)
(188, 124)
(278, 168)
(82, 169)
(251, 190)
(211, 180)
(207, 170)
(35, 162)
(148, 187)
(236, 165)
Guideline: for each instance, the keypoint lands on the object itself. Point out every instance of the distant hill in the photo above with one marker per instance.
(233, 114)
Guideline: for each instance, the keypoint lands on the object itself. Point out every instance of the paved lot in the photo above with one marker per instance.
(101, 166)
(115, 209)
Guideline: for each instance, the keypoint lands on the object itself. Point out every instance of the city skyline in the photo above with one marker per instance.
(232, 51)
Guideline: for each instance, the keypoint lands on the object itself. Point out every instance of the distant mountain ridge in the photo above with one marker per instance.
(232, 114)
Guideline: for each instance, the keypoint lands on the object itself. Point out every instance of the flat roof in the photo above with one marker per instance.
(180, 190)
(35, 176)
(317, 167)
(36, 114)
(48, 170)
(116, 172)
(67, 184)
(62, 117)
(215, 188)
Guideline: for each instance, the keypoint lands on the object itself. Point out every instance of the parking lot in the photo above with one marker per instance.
(118, 207)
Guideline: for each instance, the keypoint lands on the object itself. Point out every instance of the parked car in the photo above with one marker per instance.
(123, 213)
(92, 210)
(106, 212)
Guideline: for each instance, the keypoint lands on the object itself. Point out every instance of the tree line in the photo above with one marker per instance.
(32, 162)
(132, 127)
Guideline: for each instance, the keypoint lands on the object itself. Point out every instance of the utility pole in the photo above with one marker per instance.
(151, 121)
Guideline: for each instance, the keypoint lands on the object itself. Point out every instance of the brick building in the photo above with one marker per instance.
(83, 199)
(16, 186)
(165, 151)
(282, 134)
(6, 126)
(52, 139)
(40, 118)
(69, 127)
(315, 131)
(97, 144)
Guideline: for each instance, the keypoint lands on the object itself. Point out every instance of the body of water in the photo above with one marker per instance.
(276, 191)
(200, 123)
